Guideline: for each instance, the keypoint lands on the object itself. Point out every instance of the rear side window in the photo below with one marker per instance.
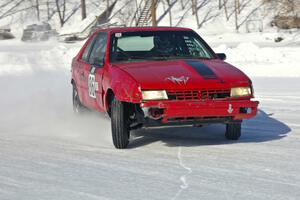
(87, 50)
(98, 51)
(195, 47)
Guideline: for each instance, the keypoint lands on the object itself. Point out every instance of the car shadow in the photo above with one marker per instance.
(263, 127)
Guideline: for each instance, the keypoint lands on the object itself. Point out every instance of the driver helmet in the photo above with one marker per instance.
(163, 44)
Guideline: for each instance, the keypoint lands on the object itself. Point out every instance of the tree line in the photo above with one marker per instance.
(202, 10)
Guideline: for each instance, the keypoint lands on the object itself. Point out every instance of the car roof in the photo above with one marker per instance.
(150, 28)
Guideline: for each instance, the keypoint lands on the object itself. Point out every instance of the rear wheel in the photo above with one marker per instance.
(119, 124)
(233, 130)
(78, 108)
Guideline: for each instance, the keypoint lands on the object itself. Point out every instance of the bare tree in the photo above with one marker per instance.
(182, 5)
(107, 7)
(83, 10)
(195, 11)
(184, 14)
(51, 9)
(208, 16)
(37, 7)
(124, 13)
(61, 9)
(167, 11)
(225, 9)
(288, 7)
(284, 7)
(208, 13)
(238, 6)
(243, 5)
(5, 4)
(153, 12)
(236, 14)
(12, 10)
(170, 13)
(194, 6)
(253, 11)
(202, 4)
(48, 10)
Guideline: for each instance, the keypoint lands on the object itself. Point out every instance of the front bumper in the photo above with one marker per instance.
(201, 110)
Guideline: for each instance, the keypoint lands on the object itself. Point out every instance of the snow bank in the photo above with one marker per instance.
(79, 27)
(290, 38)
(263, 61)
(18, 57)
(254, 60)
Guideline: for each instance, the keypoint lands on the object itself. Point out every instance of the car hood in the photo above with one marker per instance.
(184, 74)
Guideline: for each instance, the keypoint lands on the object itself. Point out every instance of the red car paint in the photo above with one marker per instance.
(126, 80)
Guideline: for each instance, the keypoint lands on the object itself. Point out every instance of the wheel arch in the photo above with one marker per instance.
(73, 82)
(109, 95)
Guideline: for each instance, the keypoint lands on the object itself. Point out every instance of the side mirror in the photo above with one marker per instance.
(222, 56)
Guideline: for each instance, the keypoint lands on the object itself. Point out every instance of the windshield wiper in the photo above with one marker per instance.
(190, 57)
(159, 58)
(149, 57)
(178, 57)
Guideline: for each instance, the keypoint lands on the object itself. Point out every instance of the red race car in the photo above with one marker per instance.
(159, 76)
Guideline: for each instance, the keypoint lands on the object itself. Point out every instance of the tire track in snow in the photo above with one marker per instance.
(184, 184)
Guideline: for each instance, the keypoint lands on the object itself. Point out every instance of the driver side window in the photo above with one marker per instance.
(97, 54)
(85, 55)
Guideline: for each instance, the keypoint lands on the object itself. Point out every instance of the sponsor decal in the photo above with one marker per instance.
(179, 80)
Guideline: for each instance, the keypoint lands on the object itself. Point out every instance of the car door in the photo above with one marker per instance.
(94, 72)
(81, 76)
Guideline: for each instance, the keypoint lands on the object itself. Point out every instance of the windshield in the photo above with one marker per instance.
(157, 45)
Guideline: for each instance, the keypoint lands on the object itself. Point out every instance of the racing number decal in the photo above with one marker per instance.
(92, 84)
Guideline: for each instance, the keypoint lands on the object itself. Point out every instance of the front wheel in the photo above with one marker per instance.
(119, 124)
(233, 130)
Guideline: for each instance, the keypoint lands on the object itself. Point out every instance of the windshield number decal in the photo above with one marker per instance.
(118, 35)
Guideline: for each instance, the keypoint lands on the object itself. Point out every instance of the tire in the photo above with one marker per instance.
(233, 131)
(119, 124)
(78, 108)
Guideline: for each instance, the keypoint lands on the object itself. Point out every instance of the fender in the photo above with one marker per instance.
(123, 85)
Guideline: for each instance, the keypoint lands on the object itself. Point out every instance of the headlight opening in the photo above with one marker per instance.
(154, 95)
(240, 92)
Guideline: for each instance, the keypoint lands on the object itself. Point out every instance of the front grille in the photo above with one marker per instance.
(198, 94)
(183, 95)
(215, 94)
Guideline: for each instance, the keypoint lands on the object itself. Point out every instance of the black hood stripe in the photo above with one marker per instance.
(202, 69)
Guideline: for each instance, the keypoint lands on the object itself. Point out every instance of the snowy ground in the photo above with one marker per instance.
(48, 153)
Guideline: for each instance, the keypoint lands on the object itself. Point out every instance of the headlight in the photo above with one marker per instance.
(154, 95)
(240, 92)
